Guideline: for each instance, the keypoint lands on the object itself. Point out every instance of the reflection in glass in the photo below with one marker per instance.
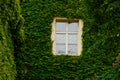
(73, 27)
(72, 38)
(72, 49)
(60, 49)
(60, 26)
(60, 38)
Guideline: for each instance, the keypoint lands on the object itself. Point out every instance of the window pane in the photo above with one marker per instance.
(72, 49)
(72, 38)
(60, 26)
(60, 38)
(60, 49)
(73, 27)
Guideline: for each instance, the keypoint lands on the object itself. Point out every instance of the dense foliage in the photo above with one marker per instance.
(10, 37)
(101, 44)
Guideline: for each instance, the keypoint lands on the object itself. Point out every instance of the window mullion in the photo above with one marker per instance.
(67, 38)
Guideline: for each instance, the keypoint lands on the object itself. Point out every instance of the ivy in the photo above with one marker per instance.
(100, 39)
(11, 23)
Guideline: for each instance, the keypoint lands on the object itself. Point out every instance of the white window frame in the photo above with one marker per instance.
(80, 26)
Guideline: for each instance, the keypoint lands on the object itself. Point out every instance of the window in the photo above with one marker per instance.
(67, 36)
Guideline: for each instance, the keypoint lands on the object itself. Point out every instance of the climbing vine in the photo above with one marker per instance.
(11, 36)
(101, 42)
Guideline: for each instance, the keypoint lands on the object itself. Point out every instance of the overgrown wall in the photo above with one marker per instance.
(10, 36)
(101, 34)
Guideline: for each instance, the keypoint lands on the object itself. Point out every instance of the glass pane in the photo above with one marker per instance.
(73, 27)
(60, 26)
(61, 38)
(72, 49)
(60, 49)
(72, 38)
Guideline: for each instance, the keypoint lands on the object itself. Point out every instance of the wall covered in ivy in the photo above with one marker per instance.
(10, 37)
(101, 34)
